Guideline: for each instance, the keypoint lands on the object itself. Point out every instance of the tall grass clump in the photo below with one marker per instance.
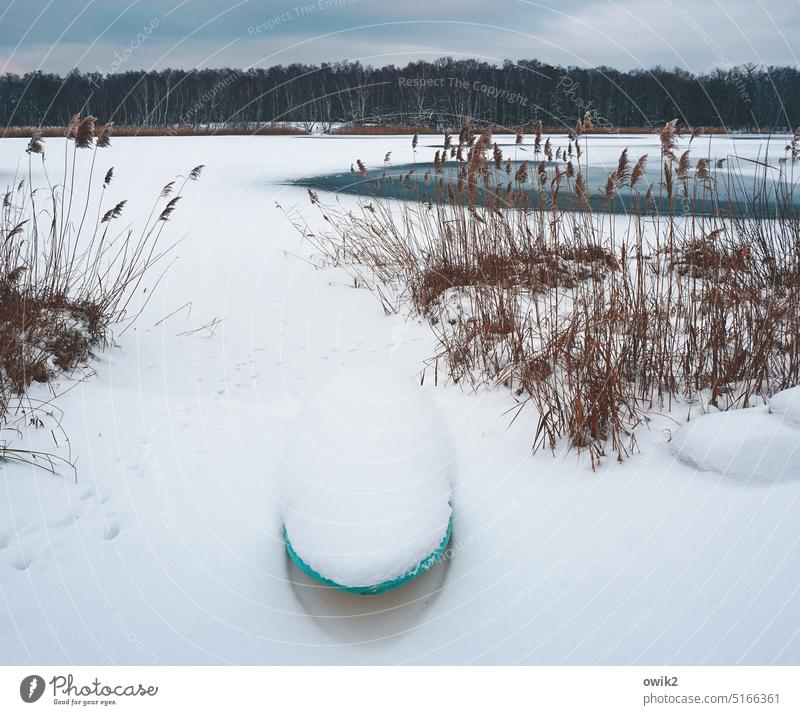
(595, 317)
(69, 265)
(171, 130)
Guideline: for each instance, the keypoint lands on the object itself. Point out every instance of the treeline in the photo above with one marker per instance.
(421, 93)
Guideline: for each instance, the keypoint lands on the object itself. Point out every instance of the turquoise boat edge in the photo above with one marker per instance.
(383, 587)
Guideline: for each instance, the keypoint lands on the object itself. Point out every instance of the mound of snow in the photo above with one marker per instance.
(786, 405)
(749, 445)
(367, 492)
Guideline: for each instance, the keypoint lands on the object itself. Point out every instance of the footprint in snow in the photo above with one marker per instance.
(21, 564)
(112, 530)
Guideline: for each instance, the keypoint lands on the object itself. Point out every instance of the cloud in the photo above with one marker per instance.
(56, 36)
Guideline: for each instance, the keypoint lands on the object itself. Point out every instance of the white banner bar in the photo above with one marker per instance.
(401, 690)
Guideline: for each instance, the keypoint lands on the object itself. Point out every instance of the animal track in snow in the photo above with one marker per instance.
(62, 521)
(112, 530)
(21, 564)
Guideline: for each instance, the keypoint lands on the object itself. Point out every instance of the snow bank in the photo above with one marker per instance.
(749, 445)
(367, 493)
(786, 405)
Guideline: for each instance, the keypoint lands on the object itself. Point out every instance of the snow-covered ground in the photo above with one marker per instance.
(166, 547)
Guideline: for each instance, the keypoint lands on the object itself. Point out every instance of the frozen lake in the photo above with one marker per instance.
(166, 547)
(738, 185)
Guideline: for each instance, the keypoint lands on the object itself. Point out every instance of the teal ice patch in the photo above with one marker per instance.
(423, 566)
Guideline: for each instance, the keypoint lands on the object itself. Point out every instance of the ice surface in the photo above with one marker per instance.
(168, 547)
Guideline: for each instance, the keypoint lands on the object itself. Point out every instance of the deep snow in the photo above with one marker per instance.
(168, 547)
(786, 404)
(750, 445)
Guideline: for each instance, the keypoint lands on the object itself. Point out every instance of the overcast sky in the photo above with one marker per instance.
(116, 35)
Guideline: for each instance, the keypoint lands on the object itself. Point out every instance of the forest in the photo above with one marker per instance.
(433, 94)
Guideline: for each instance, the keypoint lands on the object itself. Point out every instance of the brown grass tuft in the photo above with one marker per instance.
(65, 281)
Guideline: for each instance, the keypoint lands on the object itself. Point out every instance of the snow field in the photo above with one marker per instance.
(168, 548)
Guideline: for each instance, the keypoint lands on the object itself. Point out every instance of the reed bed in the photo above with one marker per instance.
(168, 131)
(259, 129)
(381, 130)
(69, 269)
(595, 319)
(391, 129)
(601, 129)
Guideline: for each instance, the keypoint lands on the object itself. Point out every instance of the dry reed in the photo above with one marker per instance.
(593, 318)
(121, 130)
(67, 275)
